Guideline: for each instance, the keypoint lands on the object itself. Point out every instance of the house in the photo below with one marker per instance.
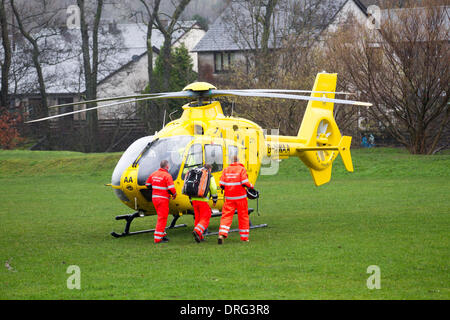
(224, 45)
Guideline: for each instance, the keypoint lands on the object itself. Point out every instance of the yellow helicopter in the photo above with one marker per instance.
(203, 134)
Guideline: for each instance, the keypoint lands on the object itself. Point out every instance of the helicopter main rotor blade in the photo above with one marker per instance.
(104, 100)
(293, 91)
(218, 93)
(180, 94)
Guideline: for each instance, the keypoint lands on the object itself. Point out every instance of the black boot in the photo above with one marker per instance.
(163, 240)
(196, 236)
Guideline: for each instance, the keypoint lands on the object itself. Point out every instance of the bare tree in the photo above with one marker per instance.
(33, 27)
(167, 28)
(403, 68)
(90, 70)
(6, 62)
(152, 10)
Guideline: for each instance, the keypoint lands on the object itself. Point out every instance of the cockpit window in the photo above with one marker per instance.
(170, 149)
(214, 156)
(232, 152)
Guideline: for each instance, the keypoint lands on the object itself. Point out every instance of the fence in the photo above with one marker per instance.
(113, 134)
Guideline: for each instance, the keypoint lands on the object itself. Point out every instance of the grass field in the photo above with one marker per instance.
(393, 212)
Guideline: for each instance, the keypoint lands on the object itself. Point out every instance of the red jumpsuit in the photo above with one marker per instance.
(233, 179)
(161, 182)
(202, 211)
(202, 216)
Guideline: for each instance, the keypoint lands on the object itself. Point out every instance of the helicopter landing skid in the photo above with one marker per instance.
(130, 217)
(252, 226)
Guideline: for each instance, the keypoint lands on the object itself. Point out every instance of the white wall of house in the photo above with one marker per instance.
(350, 8)
(190, 40)
(129, 81)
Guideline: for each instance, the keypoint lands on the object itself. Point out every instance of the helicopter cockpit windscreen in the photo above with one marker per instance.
(128, 157)
(170, 149)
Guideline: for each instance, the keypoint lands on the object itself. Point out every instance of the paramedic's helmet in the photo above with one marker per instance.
(252, 194)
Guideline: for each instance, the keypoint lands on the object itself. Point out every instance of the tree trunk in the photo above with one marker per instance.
(167, 46)
(152, 12)
(168, 32)
(90, 73)
(167, 53)
(264, 59)
(4, 102)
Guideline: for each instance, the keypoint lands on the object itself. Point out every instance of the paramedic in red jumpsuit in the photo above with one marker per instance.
(162, 186)
(202, 211)
(233, 180)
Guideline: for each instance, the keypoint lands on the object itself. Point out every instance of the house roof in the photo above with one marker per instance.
(220, 36)
(362, 5)
(223, 35)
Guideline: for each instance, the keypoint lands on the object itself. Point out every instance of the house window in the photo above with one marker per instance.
(222, 61)
(33, 107)
(66, 120)
(66, 108)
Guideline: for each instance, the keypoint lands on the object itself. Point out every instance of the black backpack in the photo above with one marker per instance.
(196, 183)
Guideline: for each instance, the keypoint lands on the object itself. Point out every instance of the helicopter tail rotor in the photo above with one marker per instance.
(322, 176)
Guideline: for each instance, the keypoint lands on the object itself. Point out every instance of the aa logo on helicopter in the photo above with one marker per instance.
(128, 180)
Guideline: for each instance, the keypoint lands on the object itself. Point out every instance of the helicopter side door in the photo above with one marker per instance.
(194, 158)
(235, 149)
(214, 156)
(205, 151)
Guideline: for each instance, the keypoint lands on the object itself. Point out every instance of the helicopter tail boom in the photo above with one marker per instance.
(318, 158)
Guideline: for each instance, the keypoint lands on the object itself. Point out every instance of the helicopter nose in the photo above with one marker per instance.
(128, 182)
(121, 195)
(128, 187)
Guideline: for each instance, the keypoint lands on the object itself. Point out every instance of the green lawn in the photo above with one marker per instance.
(393, 212)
